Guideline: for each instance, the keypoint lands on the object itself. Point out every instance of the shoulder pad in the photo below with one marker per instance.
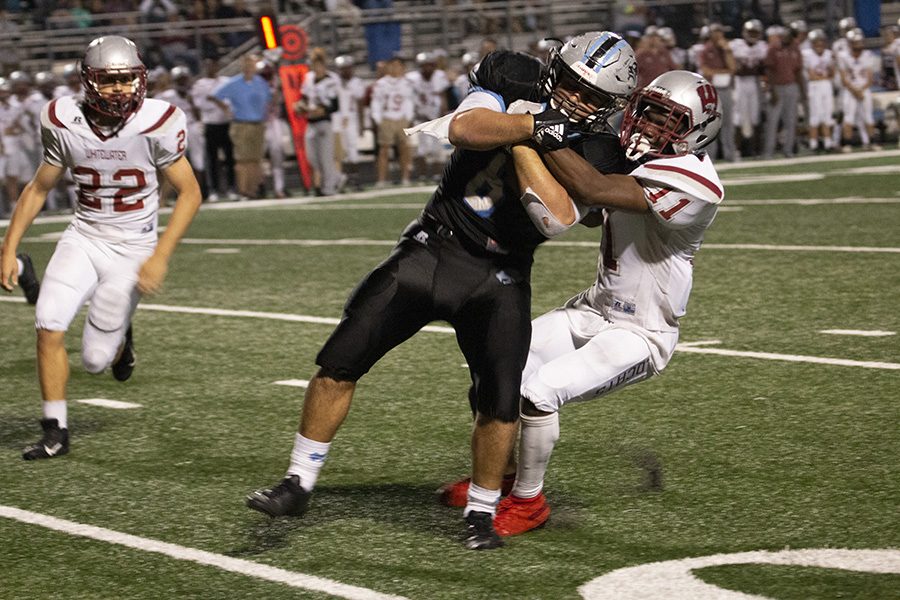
(512, 75)
(693, 174)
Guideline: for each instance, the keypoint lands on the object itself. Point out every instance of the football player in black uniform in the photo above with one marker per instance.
(467, 260)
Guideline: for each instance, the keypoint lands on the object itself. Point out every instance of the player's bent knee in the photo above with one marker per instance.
(95, 360)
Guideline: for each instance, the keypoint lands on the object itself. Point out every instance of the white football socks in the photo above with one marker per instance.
(539, 435)
(481, 500)
(57, 409)
(307, 459)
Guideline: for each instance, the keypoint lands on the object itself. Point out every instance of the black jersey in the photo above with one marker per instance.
(478, 195)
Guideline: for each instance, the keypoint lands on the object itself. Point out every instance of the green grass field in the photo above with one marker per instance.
(758, 452)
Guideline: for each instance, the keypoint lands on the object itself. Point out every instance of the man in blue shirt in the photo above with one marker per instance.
(247, 96)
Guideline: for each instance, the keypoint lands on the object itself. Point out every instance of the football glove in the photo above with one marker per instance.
(551, 129)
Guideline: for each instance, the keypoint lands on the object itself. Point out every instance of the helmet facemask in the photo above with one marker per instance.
(116, 93)
(655, 126)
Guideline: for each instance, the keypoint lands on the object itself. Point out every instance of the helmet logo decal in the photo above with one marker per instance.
(709, 98)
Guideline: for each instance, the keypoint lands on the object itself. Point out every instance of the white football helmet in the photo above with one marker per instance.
(108, 59)
(677, 113)
(752, 30)
(602, 67)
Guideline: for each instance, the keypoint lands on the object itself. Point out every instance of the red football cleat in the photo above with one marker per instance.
(456, 494)
(517, 515)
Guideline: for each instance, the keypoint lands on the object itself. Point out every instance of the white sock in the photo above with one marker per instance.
(481, 500)
(307, 459)
(864, 136)
(539, 435)
(21, 266)
(57, 409)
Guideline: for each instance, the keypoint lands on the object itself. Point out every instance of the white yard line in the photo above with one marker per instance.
(218, 561)
(109, 403)
(301, 383)
(805, 160)
(819, 360)
(859, 332)
(223, 250)
(793, 248)
(674, 578)
(688, 347)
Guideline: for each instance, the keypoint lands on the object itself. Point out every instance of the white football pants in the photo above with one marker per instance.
(84, 268)
(577, 355)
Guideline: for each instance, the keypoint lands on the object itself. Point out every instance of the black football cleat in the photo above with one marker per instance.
(479, 533)
(54, 443)
(123, 367)
(287, 499)
(28, 280)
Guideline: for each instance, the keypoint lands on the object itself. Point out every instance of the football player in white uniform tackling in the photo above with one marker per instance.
(113, 143)
(623, 329)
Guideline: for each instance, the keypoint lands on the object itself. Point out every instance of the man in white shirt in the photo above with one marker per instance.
(347, 121)
(857, 67)
(392, 107)
(430, 85)
(215, 131)
(818, 65)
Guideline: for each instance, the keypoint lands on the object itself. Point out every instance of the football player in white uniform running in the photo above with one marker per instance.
(623, 329)
(113, 143)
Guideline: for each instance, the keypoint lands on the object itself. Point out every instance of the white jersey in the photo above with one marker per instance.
(118, 188)
(321, 92)
(201, 90)
(350, 93)
(857, 69)
(748, 56)
(818, 66)
(393, 99)
(430, 94)
(645, 270)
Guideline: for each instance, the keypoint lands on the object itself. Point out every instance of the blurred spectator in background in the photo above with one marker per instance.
(890, 56)
(215, 118)
(429, 85)
(799, 34)
(717, 65)
(180, 95)
(71, 82)
(348, 120)
(840, 44)
(6, 112)
(679, 55)
(694, 51)
(157, 11)
(653, 57)
(488, 45)
(248, 96)
(318, 102)
(392, 110)
(857, 69)
(819, 67)
(46, 83)
(21, 136)
(784, 76)
(749, 52)
(276, 127)
(461, 83)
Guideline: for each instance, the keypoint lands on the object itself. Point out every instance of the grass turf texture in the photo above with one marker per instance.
(717, 455)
